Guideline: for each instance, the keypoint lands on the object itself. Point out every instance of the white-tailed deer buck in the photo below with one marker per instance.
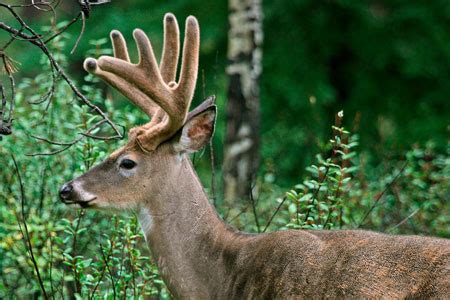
(198, 255)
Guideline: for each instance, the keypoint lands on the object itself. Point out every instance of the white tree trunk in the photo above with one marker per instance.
(245, 39)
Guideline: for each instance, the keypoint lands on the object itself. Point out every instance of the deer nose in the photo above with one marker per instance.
(65, 192)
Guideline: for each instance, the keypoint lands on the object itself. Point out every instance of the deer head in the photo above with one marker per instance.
(152, 154)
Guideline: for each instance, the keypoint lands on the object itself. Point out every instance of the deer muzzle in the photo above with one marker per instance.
(69, 195)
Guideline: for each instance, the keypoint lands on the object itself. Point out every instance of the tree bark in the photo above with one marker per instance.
(241, 159)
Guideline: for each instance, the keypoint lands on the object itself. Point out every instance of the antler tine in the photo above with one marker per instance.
(119, 45)
(147, 60)
(169, 61)
(171, 49)
(189, 66)
(128, 90)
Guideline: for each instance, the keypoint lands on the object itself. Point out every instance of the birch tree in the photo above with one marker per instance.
(244, 54)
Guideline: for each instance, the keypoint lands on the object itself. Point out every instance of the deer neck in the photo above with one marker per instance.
(185, 234)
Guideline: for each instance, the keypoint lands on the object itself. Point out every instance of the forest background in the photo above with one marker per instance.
(383, 164)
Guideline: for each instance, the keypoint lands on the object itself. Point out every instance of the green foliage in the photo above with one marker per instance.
(402, 195)
(409, 196)
(318, 202)
(406, 194)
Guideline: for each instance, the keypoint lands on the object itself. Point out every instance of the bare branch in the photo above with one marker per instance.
(67, 145)
(27, 34)
(382, 194)
(26, 236)
(274, 214)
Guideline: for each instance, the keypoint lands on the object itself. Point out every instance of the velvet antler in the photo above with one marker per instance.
(149, 86)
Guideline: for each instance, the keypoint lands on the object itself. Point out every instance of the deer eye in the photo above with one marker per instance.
(127, 164)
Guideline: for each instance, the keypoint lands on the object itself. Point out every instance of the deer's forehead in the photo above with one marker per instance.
(130, 148)
(119, 152)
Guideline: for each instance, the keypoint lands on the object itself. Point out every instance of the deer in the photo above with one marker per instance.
(201, 257)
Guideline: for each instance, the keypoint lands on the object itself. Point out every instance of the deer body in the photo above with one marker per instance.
(199, 256)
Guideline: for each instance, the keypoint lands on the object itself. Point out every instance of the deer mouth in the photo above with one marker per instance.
(81, 203)
(86, 204)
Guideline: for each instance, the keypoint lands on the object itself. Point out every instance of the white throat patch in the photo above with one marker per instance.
(146, 221)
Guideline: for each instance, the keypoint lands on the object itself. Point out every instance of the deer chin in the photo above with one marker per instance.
(86, 204)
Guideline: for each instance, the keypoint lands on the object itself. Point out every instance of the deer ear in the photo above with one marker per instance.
(197, 131)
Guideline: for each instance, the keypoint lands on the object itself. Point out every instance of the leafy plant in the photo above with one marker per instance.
(318, 202)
